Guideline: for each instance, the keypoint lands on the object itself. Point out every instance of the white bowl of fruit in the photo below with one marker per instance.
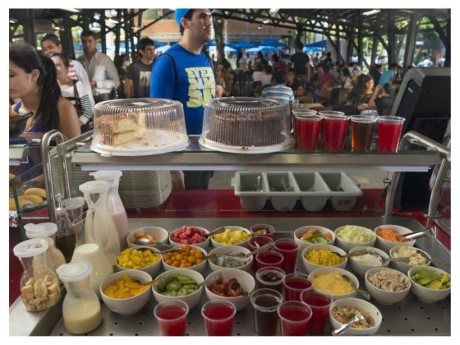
(231, 235)
(191, 235)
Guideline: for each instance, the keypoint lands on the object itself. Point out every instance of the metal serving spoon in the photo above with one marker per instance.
(342, 329)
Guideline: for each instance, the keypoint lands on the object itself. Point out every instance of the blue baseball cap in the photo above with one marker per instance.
(180, 13)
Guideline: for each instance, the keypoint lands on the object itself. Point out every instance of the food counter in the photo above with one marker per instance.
(409, 317)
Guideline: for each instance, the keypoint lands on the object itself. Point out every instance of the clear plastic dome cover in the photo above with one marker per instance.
(246, 125)
(138, 127)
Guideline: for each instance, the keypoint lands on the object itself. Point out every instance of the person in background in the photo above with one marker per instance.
(346, 79)
(294, 83)
(32, 79)
(363, 95)
(184, 73)
(101, 70)
(376, 73)
(279, 91)
(51, 44)
(389, 76)
(74, 91)
(385, 99)
(301, 62)
(139, 72)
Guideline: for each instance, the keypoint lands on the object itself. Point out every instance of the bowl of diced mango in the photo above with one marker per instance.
(145, 258)
(231, 235)
(126, 292)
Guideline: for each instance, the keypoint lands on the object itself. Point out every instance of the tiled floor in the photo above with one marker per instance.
(366, 179)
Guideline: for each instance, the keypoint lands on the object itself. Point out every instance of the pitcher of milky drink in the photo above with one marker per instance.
(99, 225)
(114, 203)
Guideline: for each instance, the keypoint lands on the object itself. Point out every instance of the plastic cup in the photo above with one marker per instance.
(256, 242)
(362, 132)
(269, 258)
(294, 284)
(319, 305)
(307, 129)
(218, 317)
(288, 248)
(269, 229)
(172, 317)
(335, 126)
(389, 133)
(270, 277)
(294, 318)
(265, 303)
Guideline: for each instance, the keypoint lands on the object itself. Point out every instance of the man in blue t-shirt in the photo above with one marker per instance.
(185, 73)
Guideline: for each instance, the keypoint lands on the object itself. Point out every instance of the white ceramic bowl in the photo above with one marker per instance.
(246, 281)
(303, 229)
(347, 245)
(160, 235)
(332, 284)
(229, 249)
(232, 227)
(204, 244)
(310, 266)
(426, 294)
(387, 245)
(362, 305)
(199, 267)
(126, 306)
(381, 295)
(396, 252)
(359, 264)
(153, 269)
(192, 299)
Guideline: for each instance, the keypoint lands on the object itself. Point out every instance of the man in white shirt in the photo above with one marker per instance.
(101, 70)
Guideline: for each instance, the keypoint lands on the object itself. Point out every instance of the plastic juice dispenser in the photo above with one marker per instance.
(99, 225)
(39, 285)
(81, 309)
(67, 212)
(114, 203)
(47, 231)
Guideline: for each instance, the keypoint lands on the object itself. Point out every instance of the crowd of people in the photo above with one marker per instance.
(62, 92)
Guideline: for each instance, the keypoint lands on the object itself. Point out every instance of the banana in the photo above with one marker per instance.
(33, 198)
(36, 191)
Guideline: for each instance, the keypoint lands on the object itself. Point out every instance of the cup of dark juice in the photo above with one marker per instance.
(362, 132)
(270, 277)
(265, 303)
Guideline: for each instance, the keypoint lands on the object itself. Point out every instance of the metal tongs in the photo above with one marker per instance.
(418, 234)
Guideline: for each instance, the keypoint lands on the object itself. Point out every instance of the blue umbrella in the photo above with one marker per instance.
(272, 43)
(319, 44)
(213, 43)
(263, 49)
(243, 45)
(158, 43)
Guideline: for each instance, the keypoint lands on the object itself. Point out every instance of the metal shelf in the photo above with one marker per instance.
(409, 317)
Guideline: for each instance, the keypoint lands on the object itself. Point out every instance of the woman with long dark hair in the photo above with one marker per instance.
(33, 81)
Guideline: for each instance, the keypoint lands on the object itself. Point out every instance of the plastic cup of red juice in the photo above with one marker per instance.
(294, 318)
(256, 242)
(389, 132)
(294, 284)
(335, 125)
(218, 317)
(172, 317)
(307, 129)
(319, 305)
(262, 230)
(269, 258)
(288, 248)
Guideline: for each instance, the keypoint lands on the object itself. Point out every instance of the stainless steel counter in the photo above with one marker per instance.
(409, 317)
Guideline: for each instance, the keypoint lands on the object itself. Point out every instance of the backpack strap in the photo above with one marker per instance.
(174, 66)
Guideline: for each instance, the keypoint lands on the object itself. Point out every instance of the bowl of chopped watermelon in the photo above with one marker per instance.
(308, 235)
(192, 235)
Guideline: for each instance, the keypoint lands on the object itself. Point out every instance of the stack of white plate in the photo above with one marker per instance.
(138, 189)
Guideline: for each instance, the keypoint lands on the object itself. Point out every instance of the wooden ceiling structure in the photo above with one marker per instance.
(389, 27)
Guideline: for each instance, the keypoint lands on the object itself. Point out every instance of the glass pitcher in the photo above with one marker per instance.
(39, 285)
(81, 309)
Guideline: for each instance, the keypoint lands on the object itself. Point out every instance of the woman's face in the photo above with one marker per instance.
(21, 83)
(61, 70)
(48, 48)
(370, 84)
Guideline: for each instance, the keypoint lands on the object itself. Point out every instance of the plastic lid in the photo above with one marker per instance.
(107, 175)
(73, 203)
(40, 230)
(30, 248)
(93, 187)
(74, 271)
